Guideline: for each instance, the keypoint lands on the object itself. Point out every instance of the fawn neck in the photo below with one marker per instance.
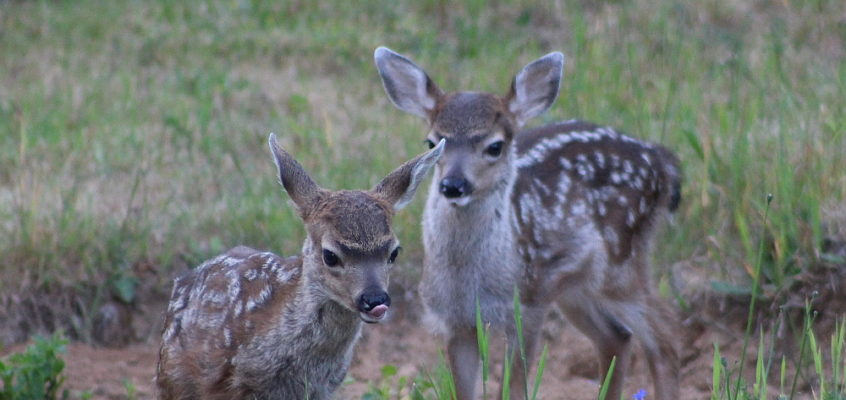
(470, 255)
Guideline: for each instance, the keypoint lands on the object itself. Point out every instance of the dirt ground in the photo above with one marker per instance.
(402, 342)
(571, 370)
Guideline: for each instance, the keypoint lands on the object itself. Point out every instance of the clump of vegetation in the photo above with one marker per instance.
(35, 373)
(823, 369)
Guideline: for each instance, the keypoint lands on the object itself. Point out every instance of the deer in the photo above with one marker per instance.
(251, 324)
(564, 213)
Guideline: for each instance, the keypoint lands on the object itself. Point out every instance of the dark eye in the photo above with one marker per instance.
(330, 259)
(494, 149)
(394, 255)
(429, 143)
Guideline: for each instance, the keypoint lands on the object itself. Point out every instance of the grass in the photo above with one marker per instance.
(137, 133)
(133, 133)
(826, 373)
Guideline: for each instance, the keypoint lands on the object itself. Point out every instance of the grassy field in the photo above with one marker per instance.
(134, 132)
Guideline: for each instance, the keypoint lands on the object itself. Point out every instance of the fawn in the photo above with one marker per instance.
(564, 213)
(250, 324)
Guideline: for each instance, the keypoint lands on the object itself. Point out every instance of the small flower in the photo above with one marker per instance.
(640, 395)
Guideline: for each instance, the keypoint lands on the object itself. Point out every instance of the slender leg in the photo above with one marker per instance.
(610, 337)
(521, 382)
(608, 351)
(463, 353)
(662, 350)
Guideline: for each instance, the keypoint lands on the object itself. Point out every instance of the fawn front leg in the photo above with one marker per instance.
(463, 353)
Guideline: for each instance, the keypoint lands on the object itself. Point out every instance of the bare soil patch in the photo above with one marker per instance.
(571, 372)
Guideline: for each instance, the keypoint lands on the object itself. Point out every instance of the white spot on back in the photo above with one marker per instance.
(600, 159)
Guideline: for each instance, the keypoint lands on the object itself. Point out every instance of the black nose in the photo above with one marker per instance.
(371, 299)
(454, 187)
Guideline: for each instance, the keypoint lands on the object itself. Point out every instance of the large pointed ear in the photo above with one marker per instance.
(302, 189)
(407, 85)
(535, 88)
(398, 187)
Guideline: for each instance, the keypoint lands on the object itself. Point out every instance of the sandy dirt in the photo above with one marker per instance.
(570, 373)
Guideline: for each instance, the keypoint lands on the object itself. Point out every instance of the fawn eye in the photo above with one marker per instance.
(394, 255)
(494, 149)
(429, 143)
(330, 258)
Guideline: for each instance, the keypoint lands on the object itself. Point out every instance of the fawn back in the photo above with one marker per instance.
(250, 324)
(565, 212)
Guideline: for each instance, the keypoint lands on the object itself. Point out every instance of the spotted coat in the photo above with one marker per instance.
(222, 314)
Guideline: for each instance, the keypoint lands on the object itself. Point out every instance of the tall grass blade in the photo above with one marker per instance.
(518, 322)
(482, 338)
(837, 342)
(717, 368)
(761, 372)
(806, 329)
(816, 353)
(782, 374)
(539, 373)
(756, 282)
(506, 375)
(603, 391)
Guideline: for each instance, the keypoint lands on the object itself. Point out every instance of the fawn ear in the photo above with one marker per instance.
(535, 87)
(302, 189)
(398, 187)
(406, 84)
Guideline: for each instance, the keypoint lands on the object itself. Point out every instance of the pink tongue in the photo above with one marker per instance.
(378, 312)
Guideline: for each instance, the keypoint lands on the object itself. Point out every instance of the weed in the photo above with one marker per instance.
(35, 373)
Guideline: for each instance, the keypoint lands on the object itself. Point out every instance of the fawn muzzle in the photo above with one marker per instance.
(453, 188)
(373, 305)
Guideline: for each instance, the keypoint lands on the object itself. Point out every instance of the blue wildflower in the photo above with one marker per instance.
(640, 395)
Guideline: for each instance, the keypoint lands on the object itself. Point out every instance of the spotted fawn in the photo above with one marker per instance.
(254, 325)
(565, 213)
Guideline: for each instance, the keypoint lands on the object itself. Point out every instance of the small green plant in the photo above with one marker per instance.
(131, 390)
(35, 373)
(440, 382)
(386, 388)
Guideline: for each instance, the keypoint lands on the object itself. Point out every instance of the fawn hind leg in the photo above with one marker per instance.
(610, 336)
(662, 353)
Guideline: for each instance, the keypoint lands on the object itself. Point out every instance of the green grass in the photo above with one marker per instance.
(134, 132)
(824, 374)
(137, 132)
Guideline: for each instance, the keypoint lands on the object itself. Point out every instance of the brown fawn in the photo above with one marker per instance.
(253, 325)
(564, 213)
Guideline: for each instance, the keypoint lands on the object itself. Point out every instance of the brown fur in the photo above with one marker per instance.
(250, 324)
(565, 213)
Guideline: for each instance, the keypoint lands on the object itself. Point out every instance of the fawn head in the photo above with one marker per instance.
(350, 246)
(479, 127)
